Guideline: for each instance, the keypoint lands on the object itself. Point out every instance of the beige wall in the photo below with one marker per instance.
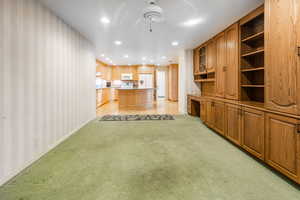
(47, 83)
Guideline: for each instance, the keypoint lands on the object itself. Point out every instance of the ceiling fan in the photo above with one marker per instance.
(153, 14)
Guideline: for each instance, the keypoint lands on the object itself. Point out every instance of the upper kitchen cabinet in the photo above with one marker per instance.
(282, 55)
(231, 68)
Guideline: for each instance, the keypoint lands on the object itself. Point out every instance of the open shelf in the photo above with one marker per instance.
(255, 36)
(253, 53)
(252, 69)
(254, 86)
(252, 60)
(205, 80)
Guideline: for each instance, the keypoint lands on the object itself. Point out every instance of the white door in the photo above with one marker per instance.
(161, 84)
(145, 80)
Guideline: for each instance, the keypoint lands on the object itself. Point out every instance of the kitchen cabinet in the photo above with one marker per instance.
(283, 145)
(233, 123)
(282, 55)
(232, 62)
(253, 132)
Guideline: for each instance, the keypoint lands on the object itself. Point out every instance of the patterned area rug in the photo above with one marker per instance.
(136, 117)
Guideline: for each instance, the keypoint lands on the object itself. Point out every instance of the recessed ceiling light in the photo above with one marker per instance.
(126, 56)
(117, 42)
(175, 43)
(144, 58)
(107, 59)
(102, 55)
(192, 22)
(105, 20)
(163, 57)
(151, 61)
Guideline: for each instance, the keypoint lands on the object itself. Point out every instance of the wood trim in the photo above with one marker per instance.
(258, 11)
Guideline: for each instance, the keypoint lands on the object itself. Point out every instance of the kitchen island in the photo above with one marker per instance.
(136, 98)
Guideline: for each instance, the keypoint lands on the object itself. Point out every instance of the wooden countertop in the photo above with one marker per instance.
(249, 104)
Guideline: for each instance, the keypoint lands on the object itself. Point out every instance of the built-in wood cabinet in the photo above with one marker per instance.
(282, 55)
(283, 145)
(253, 132)
(231, 67)
(257, 79)
(211, 56)
(210, 113)
(219, 114)
(196, 61)
(233, 123)
(220, 64)
(203, 110)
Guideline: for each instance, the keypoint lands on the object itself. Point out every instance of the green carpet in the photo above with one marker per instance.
(149, 160)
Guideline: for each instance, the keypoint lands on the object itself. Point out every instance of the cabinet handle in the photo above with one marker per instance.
(298, 129)
(298, 51)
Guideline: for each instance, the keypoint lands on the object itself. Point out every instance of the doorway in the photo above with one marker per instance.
(161, 85)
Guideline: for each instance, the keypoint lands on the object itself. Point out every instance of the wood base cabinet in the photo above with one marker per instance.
(210, 113)
(219, 126)
(203, 110)
(233, 123)
(283, 145)
(253, 132)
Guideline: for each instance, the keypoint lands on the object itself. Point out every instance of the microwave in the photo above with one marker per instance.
(126, 77)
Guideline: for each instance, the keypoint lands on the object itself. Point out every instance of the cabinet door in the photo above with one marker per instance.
(211, 56)
(233, 123)
(196, 61)
(232, 68)
(220, 64)
(282, 145)
(282, 61)
(253, 132)
(219, 109)
(210, 114)
(203, 110)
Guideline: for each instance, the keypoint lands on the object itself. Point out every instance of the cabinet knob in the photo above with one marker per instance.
(224, 69)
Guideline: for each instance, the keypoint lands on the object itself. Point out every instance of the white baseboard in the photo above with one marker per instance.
(39, 156)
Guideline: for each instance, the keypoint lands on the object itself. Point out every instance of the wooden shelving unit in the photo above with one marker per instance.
(252, 58)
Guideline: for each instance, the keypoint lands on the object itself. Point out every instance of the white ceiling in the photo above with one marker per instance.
(128, 26)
